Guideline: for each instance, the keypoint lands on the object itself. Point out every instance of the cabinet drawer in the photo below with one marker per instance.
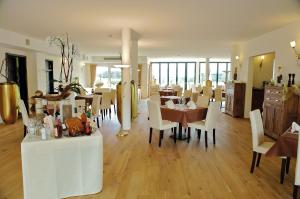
(276, 100)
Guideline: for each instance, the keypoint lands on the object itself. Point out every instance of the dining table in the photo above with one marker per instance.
(167, 92)
(175, 99)
(88, 98)
(183, 115)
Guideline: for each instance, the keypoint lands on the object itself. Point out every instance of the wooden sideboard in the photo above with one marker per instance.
(235, 99)
(279, 110)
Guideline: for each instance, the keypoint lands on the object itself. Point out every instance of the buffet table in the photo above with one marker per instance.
(59, 168)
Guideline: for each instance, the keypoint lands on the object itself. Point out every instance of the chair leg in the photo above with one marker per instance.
(214, 136)
(109, 113)
(283, 165)
(161, 134)
(115, 109)
(253, 161)
(258, 160)
(295, 192)
(199, 133)
(189, 135)
(25, 130)
(175, 134)
(102, 115)
(205, 135)
(97, 119)
(150, 134)
(287, 168)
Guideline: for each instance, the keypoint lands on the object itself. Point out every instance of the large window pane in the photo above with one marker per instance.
(222, 73)
(102, 75)
(191, 74)
(181, 74)
(116, 76)
(172, 73)
(202, 73)
(155, 73)
(213, 67)
(229, 72)
(163, 74)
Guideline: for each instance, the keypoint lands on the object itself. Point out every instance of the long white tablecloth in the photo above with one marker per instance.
(58, 168)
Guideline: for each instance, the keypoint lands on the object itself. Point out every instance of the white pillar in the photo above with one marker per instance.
(207, 69)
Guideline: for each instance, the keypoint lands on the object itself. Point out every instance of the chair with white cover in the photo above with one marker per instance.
(156, 121)
(208, 83)
(24, 113)
(154, 90)
(188, 93)
(297, 173)
(113, 98)
(195, 96)
(207, 91)
(259, 146)
(178, 89)
(199, 88)
(209, 124)
(105, 105)
(218, 96)
(202, 101)
(96, 108)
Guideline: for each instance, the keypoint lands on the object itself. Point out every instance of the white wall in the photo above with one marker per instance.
(276, 41)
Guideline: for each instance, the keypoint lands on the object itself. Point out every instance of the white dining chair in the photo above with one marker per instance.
(209, 124)
(195, 96)
(105, 105)
(259, 145)
(80, 105)
(187, 93)
(154, 90)
(113, 98)
(156, 121)
(202, 101)
(218, 96)
(207, 91)
(297, 173)
(96, 108)
(24, 113)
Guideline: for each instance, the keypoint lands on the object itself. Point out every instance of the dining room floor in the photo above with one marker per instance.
(133, 168)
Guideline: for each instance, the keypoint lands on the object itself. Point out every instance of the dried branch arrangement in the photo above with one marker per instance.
(1, 68)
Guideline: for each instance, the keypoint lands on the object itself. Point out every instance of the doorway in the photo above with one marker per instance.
(17, 72)
(263, 66)
(49, 77)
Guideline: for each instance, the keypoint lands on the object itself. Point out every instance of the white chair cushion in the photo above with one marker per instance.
(167, 125)
(264, 147)
(197, 124)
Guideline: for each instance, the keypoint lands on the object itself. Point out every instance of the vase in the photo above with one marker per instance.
(293, 78)
(9, 96)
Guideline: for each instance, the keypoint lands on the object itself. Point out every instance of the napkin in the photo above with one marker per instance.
(295, 127)
(191, 105)
(170, 104)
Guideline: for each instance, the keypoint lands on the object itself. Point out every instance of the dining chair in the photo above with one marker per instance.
(207, 91)
(208, 125)
(96, 108)
(208, 83)
(154, 90)
(179, 91)
(80, 105)
(24, 113)
(187, 93)
(297, 173)
(105, 105)
(156, 121)
(199, 88)
(113, 98)
(202, 101)
(218, 96)
(195, 96)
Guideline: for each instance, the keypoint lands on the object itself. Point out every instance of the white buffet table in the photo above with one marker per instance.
(58, 168)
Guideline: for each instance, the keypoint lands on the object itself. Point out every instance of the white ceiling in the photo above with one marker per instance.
(188, 28)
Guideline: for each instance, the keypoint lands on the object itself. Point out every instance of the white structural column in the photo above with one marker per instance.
(207, 69)
(129, 57)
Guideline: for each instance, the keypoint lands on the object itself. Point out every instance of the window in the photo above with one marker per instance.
(155, 73)
(202, 73)
(222, 74)
(181, 75)
(213, 67)
(116, 76)
(163, 74)
(191, 72)
(172, 73)
(102, 75)
(219, 72)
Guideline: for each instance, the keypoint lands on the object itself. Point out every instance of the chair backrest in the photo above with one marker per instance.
(106, 100)
(195, 96)
(80, 105)
(199, 88)
(82, 92)
(212, 116)
(218, 95)
(297, 172)
(24, 113)
(113, 96)
(202, 101)
(155, 98)
(208, 83)
(257, 128)
(207, 91)
(155, 119)
(96, 104)
(154, 90)
(187, 93)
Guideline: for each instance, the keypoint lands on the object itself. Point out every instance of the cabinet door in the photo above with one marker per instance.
(278, 126)
(268, 119)
(229, 105)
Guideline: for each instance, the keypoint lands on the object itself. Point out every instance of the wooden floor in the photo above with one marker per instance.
(135, 169)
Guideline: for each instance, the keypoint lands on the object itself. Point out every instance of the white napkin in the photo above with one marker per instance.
(295, 127)
(170, 104)
(191, 105)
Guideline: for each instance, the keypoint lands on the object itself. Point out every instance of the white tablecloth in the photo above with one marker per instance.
(58, 168)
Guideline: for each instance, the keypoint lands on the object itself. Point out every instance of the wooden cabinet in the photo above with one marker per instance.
(279, 110)
(235, 99)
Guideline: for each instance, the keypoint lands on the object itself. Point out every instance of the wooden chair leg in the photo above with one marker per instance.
(150, 134)
(189, 135)
(175, 134)
(287, 168)
(258, 159)
(214, 136)
(283, 165)
(253, 161)
(199, 133)
(205, 135)
(295, 192)
(97, 119)
(161, 134)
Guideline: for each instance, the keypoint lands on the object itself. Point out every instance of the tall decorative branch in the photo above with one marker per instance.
(1, 68)
(68, 53)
